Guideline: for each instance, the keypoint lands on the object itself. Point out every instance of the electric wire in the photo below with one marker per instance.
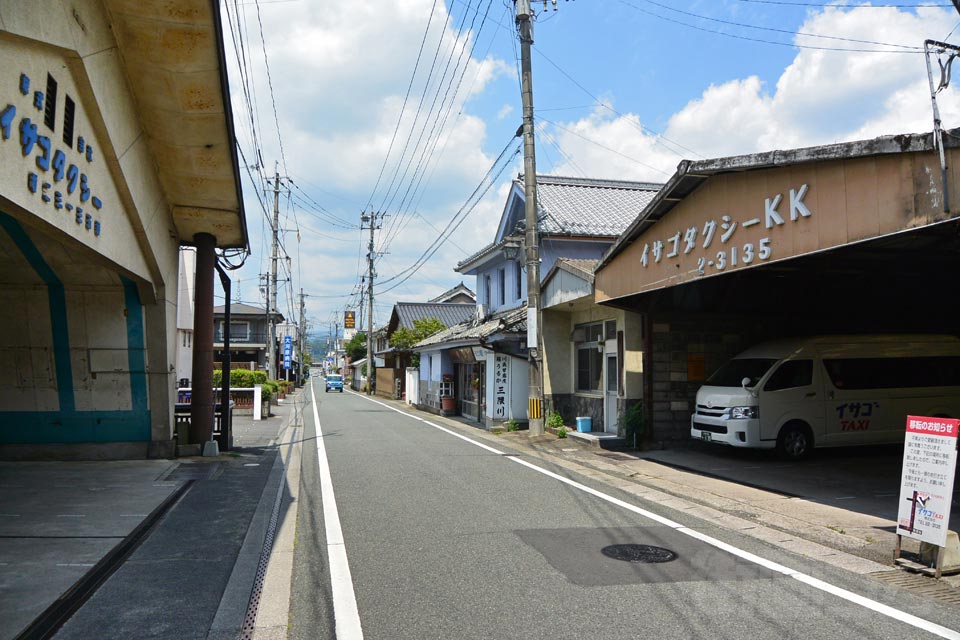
(916, 50)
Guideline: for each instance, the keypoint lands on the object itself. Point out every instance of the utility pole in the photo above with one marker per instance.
(303, 333)
(272, 281)
(370, 219)
(532, 240)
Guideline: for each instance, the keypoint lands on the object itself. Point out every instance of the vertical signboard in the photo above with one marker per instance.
(349, 320)
(501, 386)
(926, 485)
(287, 351)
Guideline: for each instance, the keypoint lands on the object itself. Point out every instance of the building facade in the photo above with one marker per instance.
(116, 147)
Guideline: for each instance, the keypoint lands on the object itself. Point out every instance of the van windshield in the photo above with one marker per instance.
(333, 378)
(732, 373)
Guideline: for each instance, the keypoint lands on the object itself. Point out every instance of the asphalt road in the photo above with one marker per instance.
(447, 539)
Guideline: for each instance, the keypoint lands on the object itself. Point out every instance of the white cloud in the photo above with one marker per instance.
(820, 98)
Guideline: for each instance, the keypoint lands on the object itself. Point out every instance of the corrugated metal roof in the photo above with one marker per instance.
(582, 267)
(449, 313)
(690, 175)
(590, 207)
(510, 321)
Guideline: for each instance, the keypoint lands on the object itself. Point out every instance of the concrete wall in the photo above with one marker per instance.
(560, 363)
(100, 321)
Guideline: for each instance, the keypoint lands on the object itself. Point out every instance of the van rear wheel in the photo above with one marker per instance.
(795, 441)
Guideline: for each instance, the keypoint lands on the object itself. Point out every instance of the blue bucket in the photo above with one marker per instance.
(584, 424)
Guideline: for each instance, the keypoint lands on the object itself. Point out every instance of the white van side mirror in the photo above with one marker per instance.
(745, 382)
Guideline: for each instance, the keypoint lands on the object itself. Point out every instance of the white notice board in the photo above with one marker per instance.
(926, 482)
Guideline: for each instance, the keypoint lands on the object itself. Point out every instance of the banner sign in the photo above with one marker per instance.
(349, 320)
(926, 485)
(501, 386)
(287, 351)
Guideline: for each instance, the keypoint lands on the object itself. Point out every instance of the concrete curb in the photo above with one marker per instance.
(231, 613)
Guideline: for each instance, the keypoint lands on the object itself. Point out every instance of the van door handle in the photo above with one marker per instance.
(811, 394)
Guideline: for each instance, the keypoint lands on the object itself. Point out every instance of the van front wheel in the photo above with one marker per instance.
(795, 441)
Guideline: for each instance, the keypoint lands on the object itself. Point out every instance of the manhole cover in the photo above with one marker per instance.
(640, 553)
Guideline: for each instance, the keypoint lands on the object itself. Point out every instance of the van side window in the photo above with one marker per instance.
(790, 374)
(894, 373)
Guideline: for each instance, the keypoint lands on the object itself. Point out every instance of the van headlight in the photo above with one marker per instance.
(742, 413)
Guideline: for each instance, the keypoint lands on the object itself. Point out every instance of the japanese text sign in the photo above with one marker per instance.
(926, 484)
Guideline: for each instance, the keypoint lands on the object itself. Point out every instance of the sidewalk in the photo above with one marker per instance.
(169, 542)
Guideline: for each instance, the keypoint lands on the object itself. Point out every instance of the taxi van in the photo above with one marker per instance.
(829, 391)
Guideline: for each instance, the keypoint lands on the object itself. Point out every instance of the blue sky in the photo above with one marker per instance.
(622, 88)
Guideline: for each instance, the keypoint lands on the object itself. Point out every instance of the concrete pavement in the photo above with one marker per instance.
(166, 548)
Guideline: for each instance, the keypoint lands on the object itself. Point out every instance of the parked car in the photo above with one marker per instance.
(334, 381)
(829, 391)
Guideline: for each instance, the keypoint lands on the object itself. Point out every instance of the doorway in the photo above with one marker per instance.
(610, 393)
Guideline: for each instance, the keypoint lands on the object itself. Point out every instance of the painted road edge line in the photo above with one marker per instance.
(346, 616)
(820, 585)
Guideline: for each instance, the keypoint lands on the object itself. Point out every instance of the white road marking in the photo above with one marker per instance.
(74, 564)
(345, 614)
(849, 596)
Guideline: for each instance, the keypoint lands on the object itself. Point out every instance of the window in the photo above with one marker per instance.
(502, 275)
(239, 331)
(519, 272)
(734, 371)
(589, 356)
(791, 374)
(894, 373)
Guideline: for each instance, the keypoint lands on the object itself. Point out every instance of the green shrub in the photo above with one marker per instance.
(633, 423)
(562, 432)
(259, 377)
(269, 389)
(512, 425)
(554, 419)
(217, 377)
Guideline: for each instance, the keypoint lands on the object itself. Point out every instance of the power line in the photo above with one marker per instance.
(773, 42)
(603, 146)
(796, 33)
(273, 98)
(833, 4)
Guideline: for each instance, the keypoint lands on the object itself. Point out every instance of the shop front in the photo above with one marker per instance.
(470, 371)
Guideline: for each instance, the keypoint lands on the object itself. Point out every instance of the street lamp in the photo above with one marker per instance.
(512, 246)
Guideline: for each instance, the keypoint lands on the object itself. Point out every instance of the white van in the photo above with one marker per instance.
(829, 391)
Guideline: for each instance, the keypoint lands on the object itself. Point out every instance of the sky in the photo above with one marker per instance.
(409, 108)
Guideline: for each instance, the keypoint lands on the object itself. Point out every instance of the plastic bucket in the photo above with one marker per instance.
(584, 424)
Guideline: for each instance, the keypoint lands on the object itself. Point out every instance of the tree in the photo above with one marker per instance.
(404, 338)
(356, 347)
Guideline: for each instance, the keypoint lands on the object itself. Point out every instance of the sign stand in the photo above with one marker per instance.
(929, 465)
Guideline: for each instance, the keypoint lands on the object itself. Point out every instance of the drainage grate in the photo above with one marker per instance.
(193, 471)
(639, 553)
(920, 584)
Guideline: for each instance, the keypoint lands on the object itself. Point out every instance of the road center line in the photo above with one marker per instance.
(345, 614)
(826, 587)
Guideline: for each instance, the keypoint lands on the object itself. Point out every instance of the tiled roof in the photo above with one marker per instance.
(490, 247)
(589, 207)
(449, 313)
(509, 321)
(459, 289)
